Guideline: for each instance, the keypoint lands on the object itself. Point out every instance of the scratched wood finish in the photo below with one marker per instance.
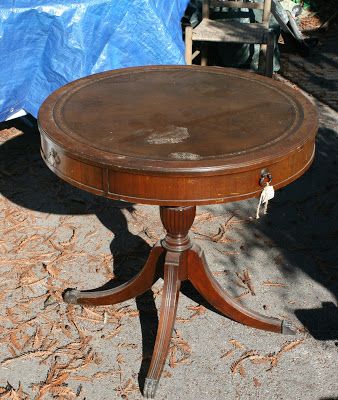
(177, 135)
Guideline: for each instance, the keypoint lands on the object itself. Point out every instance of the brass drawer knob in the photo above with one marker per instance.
(266, 177)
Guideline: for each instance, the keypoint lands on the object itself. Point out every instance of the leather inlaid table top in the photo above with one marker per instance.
(140, 133)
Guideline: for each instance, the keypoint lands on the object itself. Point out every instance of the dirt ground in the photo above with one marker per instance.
(53, 236)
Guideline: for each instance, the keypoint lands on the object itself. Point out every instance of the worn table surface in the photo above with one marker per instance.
(174, 123)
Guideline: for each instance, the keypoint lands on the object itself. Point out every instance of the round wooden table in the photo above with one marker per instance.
(177, 137)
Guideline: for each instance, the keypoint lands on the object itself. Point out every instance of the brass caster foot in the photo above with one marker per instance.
(70, 296)
(287, 328)
(150, 386)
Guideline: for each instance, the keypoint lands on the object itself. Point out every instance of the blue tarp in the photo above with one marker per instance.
(45, 44)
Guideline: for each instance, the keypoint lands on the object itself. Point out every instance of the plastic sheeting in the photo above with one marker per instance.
(45, 44)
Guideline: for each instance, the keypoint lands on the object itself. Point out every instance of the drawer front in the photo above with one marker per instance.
(86, 176)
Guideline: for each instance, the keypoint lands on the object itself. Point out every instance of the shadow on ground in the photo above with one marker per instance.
(302, 223)
(316, 74)
(26, 181)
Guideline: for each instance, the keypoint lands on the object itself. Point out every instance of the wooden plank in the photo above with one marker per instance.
(195, 54)
(231, 31)
(236, 4)
(188, 45)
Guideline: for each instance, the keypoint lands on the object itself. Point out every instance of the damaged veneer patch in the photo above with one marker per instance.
(171, 135)
(184, 156)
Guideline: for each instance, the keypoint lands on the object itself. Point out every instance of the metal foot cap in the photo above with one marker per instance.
(288, 328)
(70, 296)
(150, 386)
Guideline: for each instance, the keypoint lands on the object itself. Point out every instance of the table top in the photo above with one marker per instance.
(181, 121)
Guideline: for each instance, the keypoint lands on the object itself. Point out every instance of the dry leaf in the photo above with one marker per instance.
(103, 374)
(166, 374)
(120, 359)
(92, 314)
(228, 353)
(52, 270)
(24, 356)
(257, 359)
(90, 234)
(81, 378)
(245, 293)
(126, 389)
(37, 338)
(3, 390)
(256, 382)
(13, 339)
(198, 310)
(68, 242)
(277, 284)
(237, 344)
(127, 345)
(246, 280)
(204, 217)
(237, 367)
(172, 356)
(14, 395)
(62, 392)
(115, 332)
(66, 330)
(290, 345)
(179, 352)
(241, 370)
(12, 351)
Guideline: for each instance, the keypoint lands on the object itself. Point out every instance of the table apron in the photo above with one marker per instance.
(162, 189)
